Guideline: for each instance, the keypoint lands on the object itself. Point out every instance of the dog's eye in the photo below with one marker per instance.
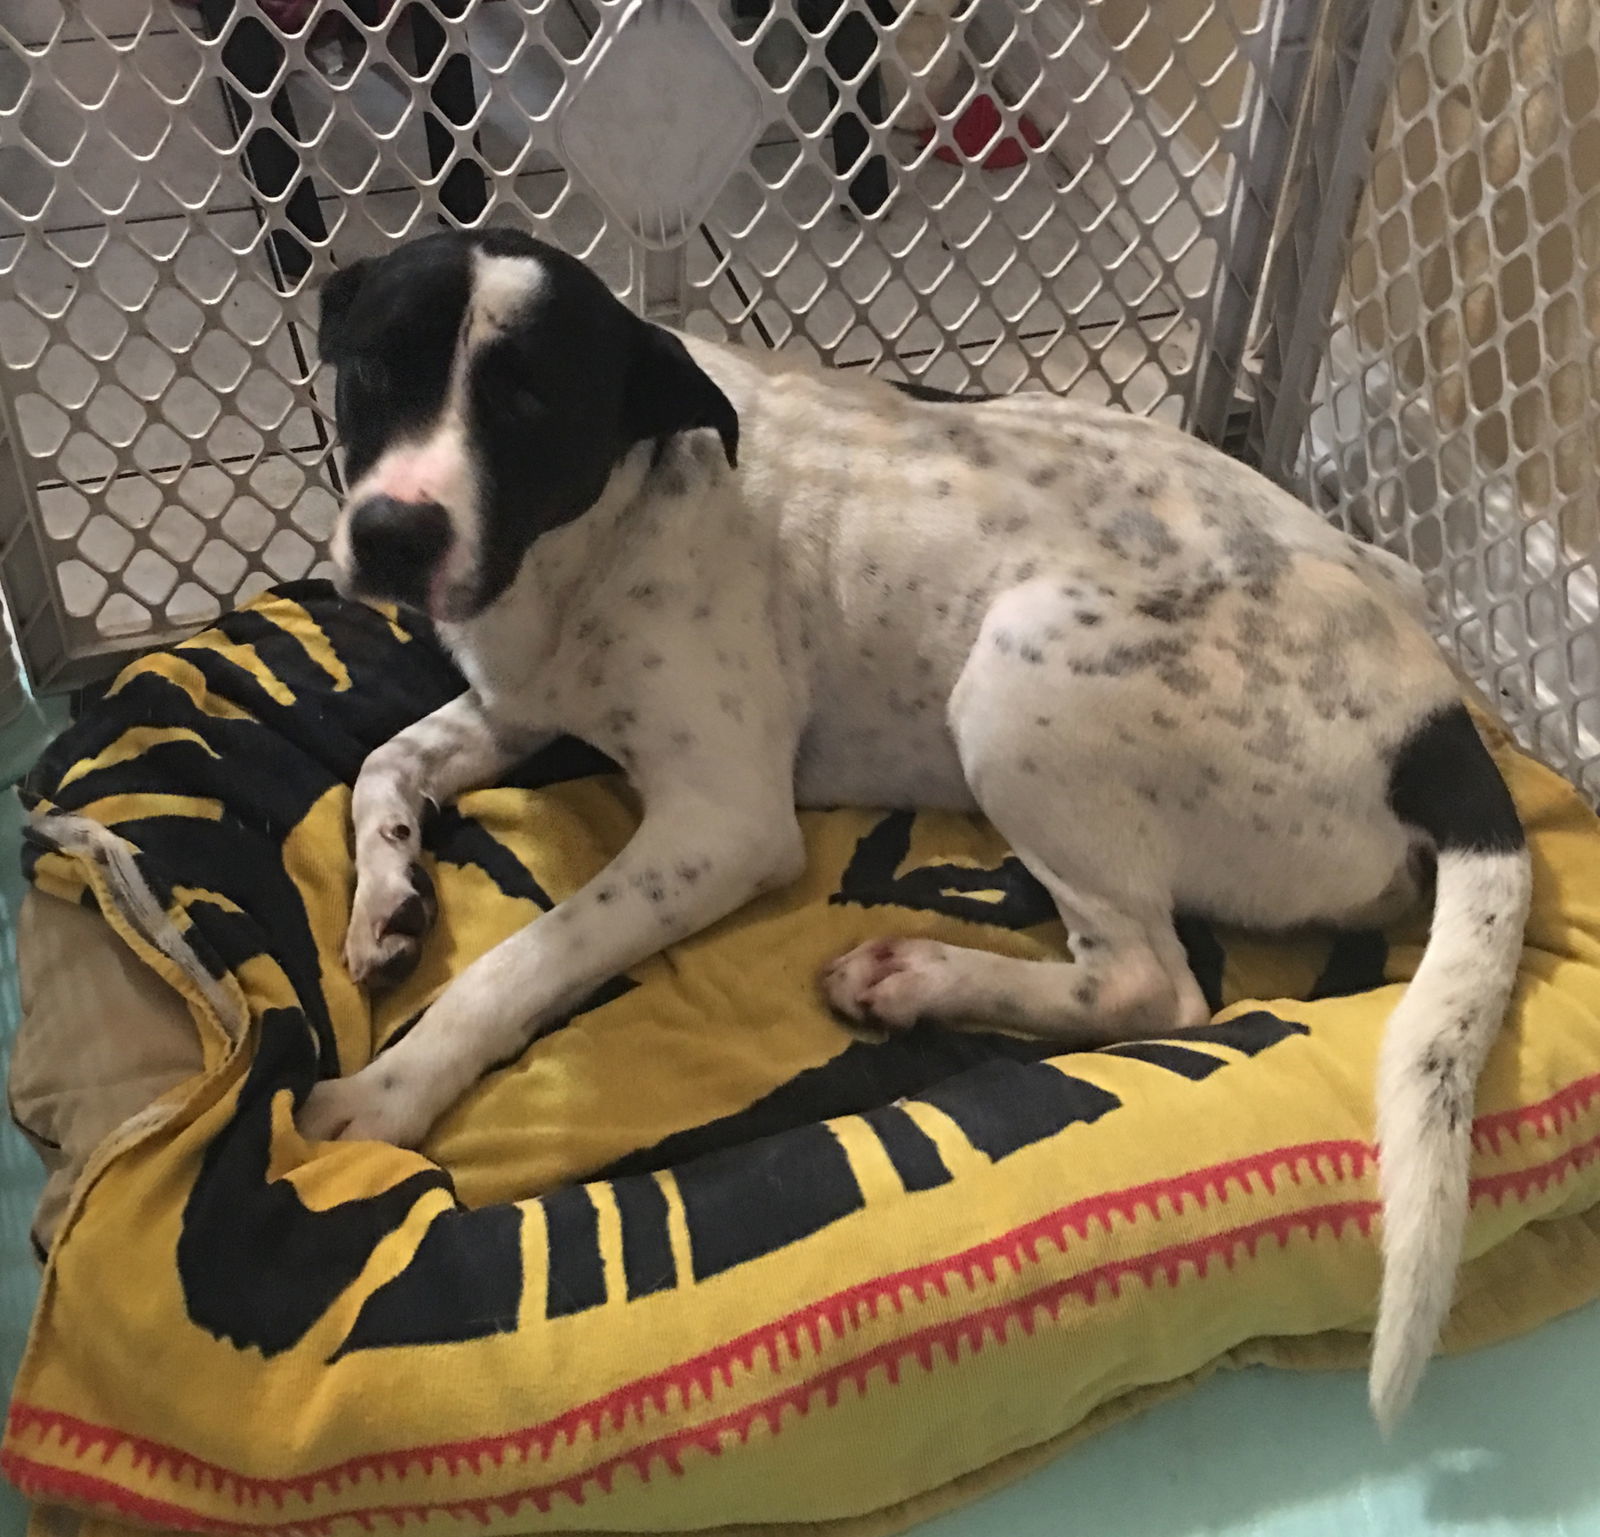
(510, 395)
(508, 381)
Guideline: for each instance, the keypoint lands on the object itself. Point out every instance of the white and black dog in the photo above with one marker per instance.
(1168, 684)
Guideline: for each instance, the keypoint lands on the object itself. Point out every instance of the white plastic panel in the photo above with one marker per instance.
(175, 181)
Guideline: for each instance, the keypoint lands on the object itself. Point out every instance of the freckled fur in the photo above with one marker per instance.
(1152, 650)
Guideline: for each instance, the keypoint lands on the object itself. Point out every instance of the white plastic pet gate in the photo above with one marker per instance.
(1149, 201)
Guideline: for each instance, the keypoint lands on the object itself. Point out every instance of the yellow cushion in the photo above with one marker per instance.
(700, 1259)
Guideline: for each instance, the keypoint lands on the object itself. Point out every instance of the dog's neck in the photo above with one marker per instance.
(524, 625)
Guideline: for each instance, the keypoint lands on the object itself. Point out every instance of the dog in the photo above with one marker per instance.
(757, 585)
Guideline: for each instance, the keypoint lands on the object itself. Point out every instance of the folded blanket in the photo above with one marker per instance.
(699, 1258)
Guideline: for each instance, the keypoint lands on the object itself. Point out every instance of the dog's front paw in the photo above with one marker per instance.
(890, 983)
(391, 914)
(374, 1105)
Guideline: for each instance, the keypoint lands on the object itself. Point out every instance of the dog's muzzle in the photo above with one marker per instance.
(397, 550)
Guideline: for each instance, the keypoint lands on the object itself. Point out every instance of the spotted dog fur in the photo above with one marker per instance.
(1168, 684)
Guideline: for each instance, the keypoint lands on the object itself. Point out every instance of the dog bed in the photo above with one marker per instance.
(700, 1258)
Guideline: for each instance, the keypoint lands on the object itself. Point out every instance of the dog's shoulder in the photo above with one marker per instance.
(789, 382)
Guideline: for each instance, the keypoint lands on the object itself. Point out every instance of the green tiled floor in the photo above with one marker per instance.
(1504, 1442)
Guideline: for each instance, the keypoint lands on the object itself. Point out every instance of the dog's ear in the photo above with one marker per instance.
(333, 305)
(668, 392)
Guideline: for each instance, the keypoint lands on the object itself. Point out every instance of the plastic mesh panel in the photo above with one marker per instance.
(1036, 195)
(1457, 419)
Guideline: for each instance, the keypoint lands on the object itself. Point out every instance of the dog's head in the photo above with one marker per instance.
(488, 386)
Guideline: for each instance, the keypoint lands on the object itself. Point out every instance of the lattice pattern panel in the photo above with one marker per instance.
(13, 687)
(1458, 418)
(174, 181)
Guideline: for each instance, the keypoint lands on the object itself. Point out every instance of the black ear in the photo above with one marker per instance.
(668, 392)
(333, 304)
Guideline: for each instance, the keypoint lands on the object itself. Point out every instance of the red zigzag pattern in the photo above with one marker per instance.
(800, 1334)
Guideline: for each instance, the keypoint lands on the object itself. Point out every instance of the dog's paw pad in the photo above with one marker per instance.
(414, 916)
(889, 983)
(384, 941)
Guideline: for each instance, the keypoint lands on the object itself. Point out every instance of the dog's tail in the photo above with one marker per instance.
(1445, 787)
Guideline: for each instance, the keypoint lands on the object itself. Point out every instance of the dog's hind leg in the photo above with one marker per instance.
(438, 757)
(1128, 977)
(1041, 756)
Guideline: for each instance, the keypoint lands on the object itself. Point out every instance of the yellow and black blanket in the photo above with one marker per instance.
(699, 1258)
